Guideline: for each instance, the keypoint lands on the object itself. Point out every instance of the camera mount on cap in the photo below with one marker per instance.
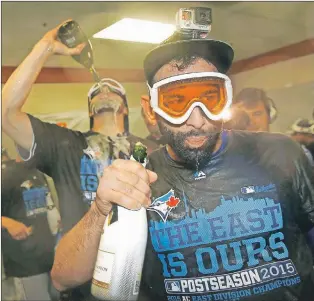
(194, 22)
(191, 37)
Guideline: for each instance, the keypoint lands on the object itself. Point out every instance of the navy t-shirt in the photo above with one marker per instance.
(233, 229)
(75, 161)
(24, 196)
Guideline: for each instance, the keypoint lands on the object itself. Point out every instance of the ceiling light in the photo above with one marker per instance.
(136, 30)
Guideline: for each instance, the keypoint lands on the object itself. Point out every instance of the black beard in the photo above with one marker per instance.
(193, 158)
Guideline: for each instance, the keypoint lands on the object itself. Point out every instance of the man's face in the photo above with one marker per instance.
(106, 101)
(194, 141)
(259, 117)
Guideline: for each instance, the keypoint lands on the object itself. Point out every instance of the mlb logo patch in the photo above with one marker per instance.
(164, 204)
(248, 189)
(172, 286)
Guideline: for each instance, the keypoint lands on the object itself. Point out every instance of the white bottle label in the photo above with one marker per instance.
(137, 283)
(103, 267)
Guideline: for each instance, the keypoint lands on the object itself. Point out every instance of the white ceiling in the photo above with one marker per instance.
(250, 27)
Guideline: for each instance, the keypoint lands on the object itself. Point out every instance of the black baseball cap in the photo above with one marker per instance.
(219, 53)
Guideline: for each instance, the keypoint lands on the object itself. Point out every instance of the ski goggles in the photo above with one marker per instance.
(174, 98)
(113, 86)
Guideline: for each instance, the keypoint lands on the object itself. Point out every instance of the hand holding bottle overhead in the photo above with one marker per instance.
(57, 47)
(71, 34)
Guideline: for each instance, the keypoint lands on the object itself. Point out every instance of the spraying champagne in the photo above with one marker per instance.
(121, 252)
(71, 34)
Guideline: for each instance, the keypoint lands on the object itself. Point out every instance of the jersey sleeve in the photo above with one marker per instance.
(49, 142)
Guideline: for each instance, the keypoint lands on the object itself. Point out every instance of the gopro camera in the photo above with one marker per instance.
(194, 22)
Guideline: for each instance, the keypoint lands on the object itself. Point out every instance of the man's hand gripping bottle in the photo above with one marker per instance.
(121, 252)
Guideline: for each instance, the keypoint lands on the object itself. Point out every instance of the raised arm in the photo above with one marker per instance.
(15, 123)
(125, 183)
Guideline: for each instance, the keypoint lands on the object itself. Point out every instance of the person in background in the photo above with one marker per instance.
(302, 131)
(74, 160)
(262, 112)
(109, 98)
(259, 107)
(29, 224)
(224, 208)
(236, 119)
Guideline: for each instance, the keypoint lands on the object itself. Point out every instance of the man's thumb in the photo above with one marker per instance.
(152, 176)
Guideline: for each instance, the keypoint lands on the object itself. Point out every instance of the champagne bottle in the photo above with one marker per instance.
(71, 34)
(121, 252)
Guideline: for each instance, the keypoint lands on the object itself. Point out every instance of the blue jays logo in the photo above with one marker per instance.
(164, 204)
